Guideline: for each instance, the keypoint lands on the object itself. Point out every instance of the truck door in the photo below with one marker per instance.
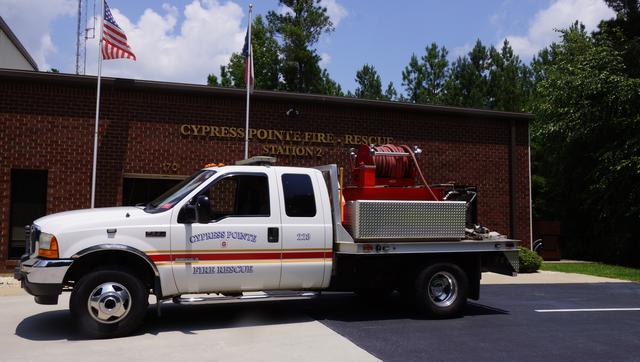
(240, 248)
(304, 231)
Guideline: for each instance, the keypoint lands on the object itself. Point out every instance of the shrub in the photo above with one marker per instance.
(529, 261)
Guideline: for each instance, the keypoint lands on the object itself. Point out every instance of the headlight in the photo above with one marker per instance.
(47, 246)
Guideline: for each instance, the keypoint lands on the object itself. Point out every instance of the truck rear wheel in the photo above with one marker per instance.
(441, 290)
(108, 303)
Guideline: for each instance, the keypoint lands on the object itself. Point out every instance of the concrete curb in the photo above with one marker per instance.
(547, 277)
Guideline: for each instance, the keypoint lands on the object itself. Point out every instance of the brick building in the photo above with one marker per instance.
(153, 134)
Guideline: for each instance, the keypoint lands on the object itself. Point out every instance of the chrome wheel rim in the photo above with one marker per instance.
(109, 303)
(442, 289)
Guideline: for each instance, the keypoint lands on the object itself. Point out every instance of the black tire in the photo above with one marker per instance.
(110, 289)
(441, 290)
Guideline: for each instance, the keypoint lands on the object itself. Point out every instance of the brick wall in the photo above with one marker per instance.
(46, 122)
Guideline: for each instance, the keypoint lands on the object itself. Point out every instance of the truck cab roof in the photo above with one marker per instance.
(260, 168)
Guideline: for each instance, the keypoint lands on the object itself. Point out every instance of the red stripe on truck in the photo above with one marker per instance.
(244, 256)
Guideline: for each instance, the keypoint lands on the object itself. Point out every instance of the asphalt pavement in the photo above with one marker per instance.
(525, 322)
(578, 318)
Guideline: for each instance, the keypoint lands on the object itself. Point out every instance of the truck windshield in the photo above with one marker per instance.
(167, 200)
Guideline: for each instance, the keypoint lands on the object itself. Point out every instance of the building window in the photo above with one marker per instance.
(28, 202)
(137, 190)
(298, 195)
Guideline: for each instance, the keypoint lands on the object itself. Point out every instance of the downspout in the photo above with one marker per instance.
(530, 189)
(512, 181)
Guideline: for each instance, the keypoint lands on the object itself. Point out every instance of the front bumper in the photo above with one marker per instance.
(43, 278)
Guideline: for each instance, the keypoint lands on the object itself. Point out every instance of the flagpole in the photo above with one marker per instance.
(97, 122)
(248, 81)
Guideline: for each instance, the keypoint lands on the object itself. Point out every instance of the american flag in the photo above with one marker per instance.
(114, 42)
(247, 52)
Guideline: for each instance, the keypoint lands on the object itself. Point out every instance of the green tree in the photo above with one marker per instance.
(435, 66)
(236, 70)
(329, 86)
(587, 146)
(266, 61)
(510, 81)
(390, 94)
(299, 29)
(225, 77)
(413, 80)
(623, 33)
(212, 80)
(369, 83)
(283, 51)
(468, 79)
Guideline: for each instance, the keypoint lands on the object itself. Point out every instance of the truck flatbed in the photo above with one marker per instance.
(459, 246)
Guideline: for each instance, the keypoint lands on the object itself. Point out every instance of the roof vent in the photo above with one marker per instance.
(257, 161)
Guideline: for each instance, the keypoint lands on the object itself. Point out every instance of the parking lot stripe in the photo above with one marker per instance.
(588, 310)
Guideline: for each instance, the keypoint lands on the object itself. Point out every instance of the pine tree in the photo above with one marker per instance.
(212, 80)
(424, 78)
(329, 86)
(299, 29)
(435, 65)
(413, 80)
(510, 81)
(266, 61)
(468, 79)
(369, 83)
(390, 94)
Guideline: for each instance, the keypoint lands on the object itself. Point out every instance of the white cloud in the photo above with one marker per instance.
(31, 20)
(172, 44)
(461, 51)
(335, 11)
(500, 17)
(325, 59)
(178, 47)
(559, 15)
(283, 9)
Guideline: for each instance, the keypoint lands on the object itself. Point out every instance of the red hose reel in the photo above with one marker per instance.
(387, 172)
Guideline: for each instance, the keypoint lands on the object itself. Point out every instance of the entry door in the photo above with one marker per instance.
(28, 202)
(240, 249)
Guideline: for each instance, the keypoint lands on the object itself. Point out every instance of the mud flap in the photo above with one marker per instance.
(504, 262)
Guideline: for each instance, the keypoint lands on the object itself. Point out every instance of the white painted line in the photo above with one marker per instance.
(588, 310)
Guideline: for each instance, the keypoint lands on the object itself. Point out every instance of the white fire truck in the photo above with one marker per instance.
(230, 231)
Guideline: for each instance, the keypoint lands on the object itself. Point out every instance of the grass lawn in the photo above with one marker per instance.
(597, 269)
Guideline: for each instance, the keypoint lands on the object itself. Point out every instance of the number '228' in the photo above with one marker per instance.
(303, 236)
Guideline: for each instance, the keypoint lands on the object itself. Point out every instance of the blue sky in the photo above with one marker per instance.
(184, 40)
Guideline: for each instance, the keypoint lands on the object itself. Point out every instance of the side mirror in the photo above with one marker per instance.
(196, 211)
(187, 214)
(203, 209)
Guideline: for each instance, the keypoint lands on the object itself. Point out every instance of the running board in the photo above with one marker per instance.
(266, 296)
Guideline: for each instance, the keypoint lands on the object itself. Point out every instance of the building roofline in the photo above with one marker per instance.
(7, 30)
(260, 94)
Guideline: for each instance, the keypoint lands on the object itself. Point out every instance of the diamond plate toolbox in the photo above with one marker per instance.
(405, 220)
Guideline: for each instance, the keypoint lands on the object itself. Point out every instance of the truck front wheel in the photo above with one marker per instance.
(441, 290)
(108, 303)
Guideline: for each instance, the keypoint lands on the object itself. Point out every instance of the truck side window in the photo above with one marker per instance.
(299, 200)
(240, 195)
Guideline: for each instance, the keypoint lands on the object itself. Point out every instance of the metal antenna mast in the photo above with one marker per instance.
(84, 31)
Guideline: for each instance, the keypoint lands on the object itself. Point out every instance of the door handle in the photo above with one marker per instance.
(272, 235)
